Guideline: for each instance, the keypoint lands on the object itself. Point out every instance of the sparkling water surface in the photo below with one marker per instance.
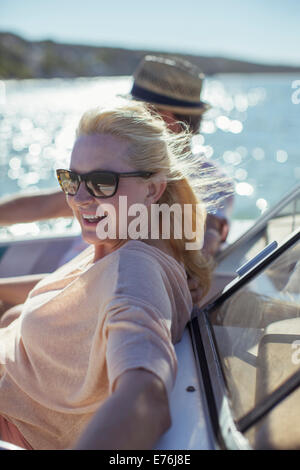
(252, 131)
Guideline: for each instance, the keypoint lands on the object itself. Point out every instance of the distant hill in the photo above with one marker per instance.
(20, 58)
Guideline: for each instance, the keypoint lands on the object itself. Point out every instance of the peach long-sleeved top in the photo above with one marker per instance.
(80, 329)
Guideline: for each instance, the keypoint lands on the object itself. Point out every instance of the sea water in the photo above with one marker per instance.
(251, 130)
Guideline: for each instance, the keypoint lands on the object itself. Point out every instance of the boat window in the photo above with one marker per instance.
(277, 226)
(257, 333)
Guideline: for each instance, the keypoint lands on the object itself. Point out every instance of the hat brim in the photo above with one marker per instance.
(175, 109)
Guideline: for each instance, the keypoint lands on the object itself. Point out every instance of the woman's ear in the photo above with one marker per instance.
(155, 191)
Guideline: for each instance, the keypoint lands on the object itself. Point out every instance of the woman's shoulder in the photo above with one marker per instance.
(145, 267)
(138, 251)
(138, 275)
(150, 276)
(137, 269)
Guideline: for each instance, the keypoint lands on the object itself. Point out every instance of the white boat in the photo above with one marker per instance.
(230, 393)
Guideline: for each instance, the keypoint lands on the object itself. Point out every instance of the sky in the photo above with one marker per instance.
(265, 31)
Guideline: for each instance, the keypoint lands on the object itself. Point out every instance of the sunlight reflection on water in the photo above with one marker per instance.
(251, 131)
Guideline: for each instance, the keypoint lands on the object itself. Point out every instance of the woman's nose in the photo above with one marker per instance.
(82, 196)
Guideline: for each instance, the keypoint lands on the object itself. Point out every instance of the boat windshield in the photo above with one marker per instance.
(257, 334)
(281, 220)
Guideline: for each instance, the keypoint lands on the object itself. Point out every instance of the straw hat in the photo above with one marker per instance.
(169, 83)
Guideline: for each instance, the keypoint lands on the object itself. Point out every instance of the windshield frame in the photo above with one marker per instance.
(228, 431)
(259, 225)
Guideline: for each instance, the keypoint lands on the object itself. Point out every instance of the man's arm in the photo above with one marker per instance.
(32, 207)
(133, 417)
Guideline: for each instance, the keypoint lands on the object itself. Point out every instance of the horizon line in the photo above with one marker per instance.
(127, 46)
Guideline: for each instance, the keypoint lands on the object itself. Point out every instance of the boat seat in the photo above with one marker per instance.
(278, 358)
(33, 256)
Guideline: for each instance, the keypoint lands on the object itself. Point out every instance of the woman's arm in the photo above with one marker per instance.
(29, 208)
(133, 417)
(14, 290)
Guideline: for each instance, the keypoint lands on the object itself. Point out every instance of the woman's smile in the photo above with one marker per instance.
(91, 219)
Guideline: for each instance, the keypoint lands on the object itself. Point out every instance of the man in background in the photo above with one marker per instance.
(172, 87)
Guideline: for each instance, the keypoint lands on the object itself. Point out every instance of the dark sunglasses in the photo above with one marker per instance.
(100, 184)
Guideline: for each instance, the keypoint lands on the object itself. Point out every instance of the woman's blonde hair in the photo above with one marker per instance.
(154, 148)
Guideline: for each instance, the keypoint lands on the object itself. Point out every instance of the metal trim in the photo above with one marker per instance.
(224, 428)
(269, 402)
(260, 224)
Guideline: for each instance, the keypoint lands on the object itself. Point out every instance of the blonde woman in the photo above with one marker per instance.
(173, 88)
(89, 355)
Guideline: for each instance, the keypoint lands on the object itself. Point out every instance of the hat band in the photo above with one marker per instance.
(150, 96)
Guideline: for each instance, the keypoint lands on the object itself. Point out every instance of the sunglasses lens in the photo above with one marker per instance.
(102, 184)
(68, 181)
